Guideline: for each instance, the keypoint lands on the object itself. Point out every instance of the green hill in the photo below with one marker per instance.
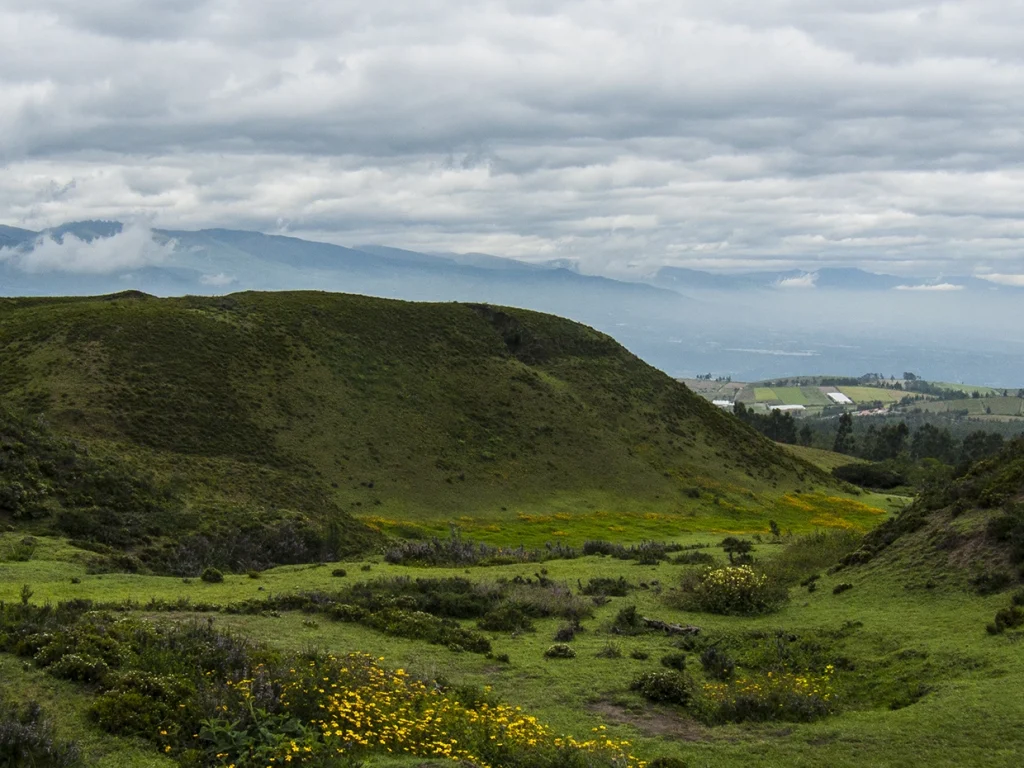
(319, 406)
(969, 531)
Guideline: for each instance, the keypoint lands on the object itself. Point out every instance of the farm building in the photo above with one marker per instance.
(727, 404)
(786, 408)
(839, 398)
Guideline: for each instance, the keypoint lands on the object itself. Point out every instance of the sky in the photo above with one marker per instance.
(736, 134)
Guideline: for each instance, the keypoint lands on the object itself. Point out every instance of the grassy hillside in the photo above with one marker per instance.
(397, 410)
(967, 532)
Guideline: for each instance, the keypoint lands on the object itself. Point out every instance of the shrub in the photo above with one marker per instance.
(694, 558)
(603, 585)
(339, 573)
(27, 738)
(664, 687)
(628, 622)
(83, 668)
(502, 658)
(676, 661)
(788, 696)
(506, 617)
(732, 590)
(639, 655)
(212, 576)
(716, 664)
(566, 634)
(560, 651)
(1006, 618)
(990, 582)
(838, 589)
(610, 651)
(253, 574)
(668, 762)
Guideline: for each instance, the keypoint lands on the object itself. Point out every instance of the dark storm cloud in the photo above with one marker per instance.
(883, 133)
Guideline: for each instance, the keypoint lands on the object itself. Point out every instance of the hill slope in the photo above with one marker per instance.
(966, 531)
(395, 408)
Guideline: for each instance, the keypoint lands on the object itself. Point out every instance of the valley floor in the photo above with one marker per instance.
(926, 684)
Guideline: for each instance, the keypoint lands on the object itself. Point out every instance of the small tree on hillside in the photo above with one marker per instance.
(738, 549)
(844, 436)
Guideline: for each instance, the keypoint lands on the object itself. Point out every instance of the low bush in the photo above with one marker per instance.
(694, 558)
(560, 651)
(610, 651)
(603, 585)
(506, 617)
(639, 655)
(628, 621)
(339, 573)
(838, 589)
(664, 687)
(676, 661)
(27, 738)
(645, 553)
(731, 590)
(716, 664)
(783, 696)
(212, 576)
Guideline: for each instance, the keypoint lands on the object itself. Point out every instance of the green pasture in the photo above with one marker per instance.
(977, 406)
(861, 395)
(900, 638)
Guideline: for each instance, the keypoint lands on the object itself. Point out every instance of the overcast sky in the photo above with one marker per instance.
(886, 134)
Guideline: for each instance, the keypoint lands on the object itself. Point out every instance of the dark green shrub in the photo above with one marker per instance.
(83, 668)
(212, 576)
(506, 617)
(663, 687)
(603, 585)
(566, 633)
(676, 661)
(990, 582)
(1006, 618)
(610, 651)
(27, 738)
(694, 558)
(253, 574)
(339, 573)
(560, 651)
(130, 713)
(838, 589)
(717, 665)
(668, 762)
(628, 621)
(639, 655)
(502, 658)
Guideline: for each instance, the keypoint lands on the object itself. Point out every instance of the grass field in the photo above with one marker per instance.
(977, 406)
(791, 395)
(861, 395)
(826, 460)
(899, 643)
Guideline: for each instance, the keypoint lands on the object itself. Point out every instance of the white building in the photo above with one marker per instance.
(839, 398)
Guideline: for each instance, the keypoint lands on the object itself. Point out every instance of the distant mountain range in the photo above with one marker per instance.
(212, 261)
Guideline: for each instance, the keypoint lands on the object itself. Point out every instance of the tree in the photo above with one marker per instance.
(844, 435)
(930, 442)
(908, 376)
(806, 436)
(737, 549)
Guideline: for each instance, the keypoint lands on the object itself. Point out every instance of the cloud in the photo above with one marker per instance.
(665, 132)
(132, 248)
(808, 280)
(219, 280)
(1014, 280)
(931, 287)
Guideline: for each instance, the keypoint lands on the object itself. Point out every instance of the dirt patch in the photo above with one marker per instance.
(652, 722)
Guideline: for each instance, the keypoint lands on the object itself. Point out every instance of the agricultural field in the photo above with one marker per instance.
(976, 406)
(864, 395)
